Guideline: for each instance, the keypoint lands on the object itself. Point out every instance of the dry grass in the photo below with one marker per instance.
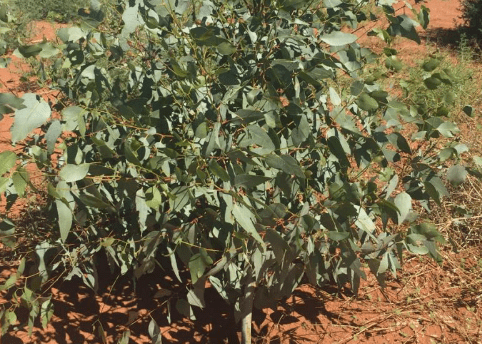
(459, 217)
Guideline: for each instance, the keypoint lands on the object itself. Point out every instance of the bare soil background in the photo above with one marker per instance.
(425, 303)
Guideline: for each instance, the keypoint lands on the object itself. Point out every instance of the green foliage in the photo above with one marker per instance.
(18, 17)
(438, 87)
(472, 16)
(210, 137)
(59, 10)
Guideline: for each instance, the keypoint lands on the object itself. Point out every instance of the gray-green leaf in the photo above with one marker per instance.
(7, 161)
(244, 218)
(35, 113)
(403, 201)
(338, 38)
(456, 174)
(72, 173)
(65, 219)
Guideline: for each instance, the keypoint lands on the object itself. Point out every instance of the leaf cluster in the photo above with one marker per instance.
(472, 16)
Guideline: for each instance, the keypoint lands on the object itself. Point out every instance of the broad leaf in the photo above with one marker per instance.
(244, 217)
(72, 173)
(338, 38)
(35, 113)
(403, 201)
(456, 174)
(7, 161)
(367, 103)
(64, 218)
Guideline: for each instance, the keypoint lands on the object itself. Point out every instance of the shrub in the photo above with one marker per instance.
(472, 16)
(211, 138)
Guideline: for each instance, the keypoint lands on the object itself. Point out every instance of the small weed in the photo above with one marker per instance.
(448, 98)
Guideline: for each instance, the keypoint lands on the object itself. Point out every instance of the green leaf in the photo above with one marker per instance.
(64, 219)
(197, 266)
(391, 186)
(73, 117)
(175, 269)
(293, 4)
(4, 13)
(404, 26)
(431, 64)
(20, 180)
(337, 149)
(432, 82)
(469, 110)
(9, 102)
(46, 311)
(456, 174)
(244, 217)
(281, 249)
(367, 103)
(403, 201)
(291, 166)
(153, 198)
(447, 129)
(201, 130)
(154, 332)
(337, 236)
(52, 135)
(35, 113)
(10, 317)
(72, 173)
(71, 34)
(185, 309)
(249, 180)
(226, 48)
(257, 136)
(363, 221)
(433, 192)
(394, 63)
(390, 51)
(338, 38)
(7, 231)
(477, 160)
(7, 161)
(429, 231)
(218, 171)
(380, 33)
(125, 337)
(95, 202)
(399, 141)
(27, 51)
(332, 3)
(388, 210)
(334, 97)
(182, 198)
(444, 77)
(423, 16)
(48, 50)
(250, 115)
(107, 242)
(10, 282)
(130, 154)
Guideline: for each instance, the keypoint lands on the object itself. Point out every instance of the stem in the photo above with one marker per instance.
(248, 311)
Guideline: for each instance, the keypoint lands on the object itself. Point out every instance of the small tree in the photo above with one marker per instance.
(242, 140)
